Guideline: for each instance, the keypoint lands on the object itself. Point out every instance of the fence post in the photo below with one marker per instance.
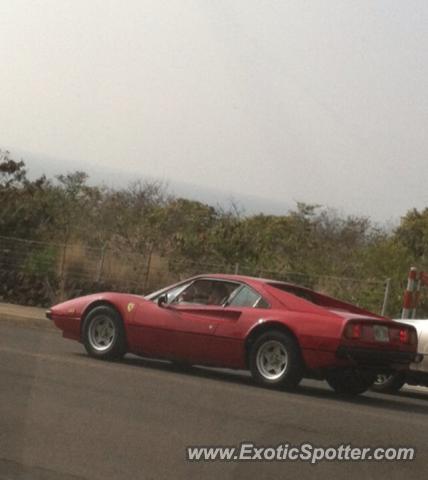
(147, 274)
(236, 268)
(50, 291)
(62, 273)
(101, 264)
(386, 296)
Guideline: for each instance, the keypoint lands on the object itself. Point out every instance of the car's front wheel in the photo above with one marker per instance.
(103, 334)
(350, 381)
(275, 360)
(389, 383)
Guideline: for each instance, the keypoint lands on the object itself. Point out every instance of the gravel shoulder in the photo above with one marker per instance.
(24, 316)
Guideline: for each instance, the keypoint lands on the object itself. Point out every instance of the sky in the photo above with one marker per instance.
(267, 102)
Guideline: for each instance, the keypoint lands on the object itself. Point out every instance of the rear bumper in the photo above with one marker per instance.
(376, 358)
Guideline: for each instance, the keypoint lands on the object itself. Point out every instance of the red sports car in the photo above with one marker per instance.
(279, 331)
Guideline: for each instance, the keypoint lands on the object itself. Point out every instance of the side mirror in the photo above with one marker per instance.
(163, 300)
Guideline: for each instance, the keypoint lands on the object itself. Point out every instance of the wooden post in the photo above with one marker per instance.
(147, 274)
(101, 264)
(62, 273)
(386, 296)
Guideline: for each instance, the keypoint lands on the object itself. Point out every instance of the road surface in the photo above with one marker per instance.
(66, 416)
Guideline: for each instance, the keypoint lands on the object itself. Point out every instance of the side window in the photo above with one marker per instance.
(206, 292)
(175, 292)
(171, 293)
(247, 297)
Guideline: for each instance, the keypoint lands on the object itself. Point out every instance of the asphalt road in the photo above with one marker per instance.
(65, 416)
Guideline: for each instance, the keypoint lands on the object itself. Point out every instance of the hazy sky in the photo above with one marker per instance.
(318, 101)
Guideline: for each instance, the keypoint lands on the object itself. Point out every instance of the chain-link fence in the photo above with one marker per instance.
(41, 273)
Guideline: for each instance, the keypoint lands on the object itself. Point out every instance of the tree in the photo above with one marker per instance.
(413, 233)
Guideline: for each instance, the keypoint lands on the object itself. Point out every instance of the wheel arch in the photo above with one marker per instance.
(100, 303)
(258, 330)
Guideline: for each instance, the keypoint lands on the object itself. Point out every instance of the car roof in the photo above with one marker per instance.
(248, 279)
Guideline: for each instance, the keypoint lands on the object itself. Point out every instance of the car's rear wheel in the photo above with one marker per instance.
(350, 381)
(391, 383)
(275, 360)
(103, 334)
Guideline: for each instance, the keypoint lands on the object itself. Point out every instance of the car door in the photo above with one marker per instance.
(194, 329)
(195, 314)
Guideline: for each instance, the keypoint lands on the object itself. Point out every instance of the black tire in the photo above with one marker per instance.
(283, 371)
(389, 383)
(108, 323)
(350, 381)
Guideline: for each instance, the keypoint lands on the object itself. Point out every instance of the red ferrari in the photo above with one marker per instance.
(279, 331)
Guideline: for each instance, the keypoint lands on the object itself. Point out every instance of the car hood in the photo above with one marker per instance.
(76, 306)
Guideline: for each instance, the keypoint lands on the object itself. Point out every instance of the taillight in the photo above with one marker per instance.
(407, 336)
(353, 330)
(404, 335)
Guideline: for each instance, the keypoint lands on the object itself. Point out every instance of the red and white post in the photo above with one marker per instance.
(416, 296)
(408, 300)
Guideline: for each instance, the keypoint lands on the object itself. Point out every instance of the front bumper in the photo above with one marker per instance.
(376, 358)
